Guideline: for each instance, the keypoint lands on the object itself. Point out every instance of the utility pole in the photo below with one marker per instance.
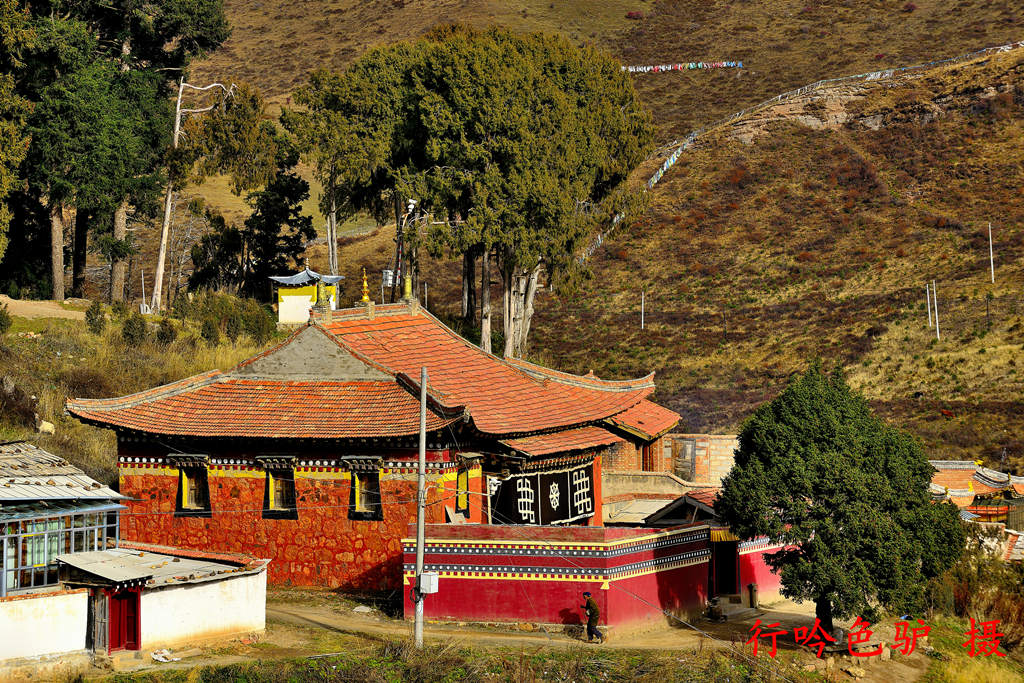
(991, 259)
(928, 303)
(421, 504)
(935, 296)
(165, 229)
(642, 302)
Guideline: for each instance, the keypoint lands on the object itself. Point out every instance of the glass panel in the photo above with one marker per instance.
(78, 520)
(53, 546)
(90, 539)
(79, 542)
(12, 580)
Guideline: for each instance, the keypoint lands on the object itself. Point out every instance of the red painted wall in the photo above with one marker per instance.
(645, 598)
(754, 570)
(323, 547)
(538, 574)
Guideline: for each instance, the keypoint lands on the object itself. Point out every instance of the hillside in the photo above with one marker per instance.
(808, 229)
(817, 242)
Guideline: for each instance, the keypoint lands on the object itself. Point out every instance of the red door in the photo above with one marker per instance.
(124, 621)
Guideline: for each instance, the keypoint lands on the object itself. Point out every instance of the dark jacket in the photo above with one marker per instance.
(593, 612)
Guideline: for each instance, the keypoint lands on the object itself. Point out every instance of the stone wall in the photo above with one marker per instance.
(323, 547)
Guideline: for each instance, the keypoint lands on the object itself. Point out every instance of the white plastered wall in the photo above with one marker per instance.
(44, 624)
(198, 611)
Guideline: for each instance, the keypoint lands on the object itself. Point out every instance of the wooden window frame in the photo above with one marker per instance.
(358, 510)
(186, 505)
(273, 508)
(462, 492)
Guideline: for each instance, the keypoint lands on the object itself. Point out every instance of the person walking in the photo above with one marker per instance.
(593, 614)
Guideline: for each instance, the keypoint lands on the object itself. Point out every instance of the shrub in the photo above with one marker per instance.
(84, 382)
(210, 331)
(166, 332)
(5, 320)
(134, 330)
(182, 306)
(257, 322)
(120, 310)
(95, 318)
(233, 326)
(909, 7)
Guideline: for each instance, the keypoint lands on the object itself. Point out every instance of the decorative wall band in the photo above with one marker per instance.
(550, 551)
(566, 573)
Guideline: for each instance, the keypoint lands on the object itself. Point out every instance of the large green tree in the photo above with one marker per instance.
(516, 145)
(15, 35)
(271, 241)
(847, 494)
(111, 63)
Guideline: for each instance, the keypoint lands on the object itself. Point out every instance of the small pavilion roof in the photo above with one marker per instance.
(306, 277)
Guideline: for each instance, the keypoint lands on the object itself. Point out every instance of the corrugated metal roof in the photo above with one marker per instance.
(27, 473)
(122, 565)
(38, 510)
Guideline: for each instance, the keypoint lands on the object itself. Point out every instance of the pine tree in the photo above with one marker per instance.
(517, 145)
(847, 494)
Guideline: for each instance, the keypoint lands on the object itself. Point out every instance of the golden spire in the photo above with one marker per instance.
(366, 288)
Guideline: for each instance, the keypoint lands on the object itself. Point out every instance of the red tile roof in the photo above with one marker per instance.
(503, 397)
(559, 442)
(262, 397)
(646, 419)
(706, 496)
(217, 404)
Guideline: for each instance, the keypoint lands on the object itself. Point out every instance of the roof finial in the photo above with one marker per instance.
(366, 288)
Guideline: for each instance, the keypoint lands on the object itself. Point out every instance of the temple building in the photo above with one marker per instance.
(306, 453)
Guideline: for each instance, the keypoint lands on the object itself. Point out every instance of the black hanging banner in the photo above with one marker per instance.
(556, 497)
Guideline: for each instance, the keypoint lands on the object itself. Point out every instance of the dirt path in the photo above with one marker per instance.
(39, 309)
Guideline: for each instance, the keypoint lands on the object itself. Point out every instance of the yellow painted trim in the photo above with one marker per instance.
(270, 490)
(603, 578)
(306, 290)
(556, 544)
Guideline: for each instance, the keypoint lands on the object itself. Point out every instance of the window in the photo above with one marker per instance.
(462, 491)
(365, 498)
(193, 492)
(279, 495)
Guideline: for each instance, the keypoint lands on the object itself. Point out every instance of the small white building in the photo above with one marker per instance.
(70, 589)
(147, 597)
(296, 294)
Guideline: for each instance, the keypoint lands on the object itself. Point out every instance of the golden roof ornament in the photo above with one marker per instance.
(366, 289)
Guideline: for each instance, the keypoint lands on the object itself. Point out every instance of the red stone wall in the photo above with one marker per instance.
(323, 547)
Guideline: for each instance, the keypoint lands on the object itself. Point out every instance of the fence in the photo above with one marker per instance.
(678, 147)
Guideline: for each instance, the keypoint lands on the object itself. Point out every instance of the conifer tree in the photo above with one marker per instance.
(517, 145)
(847, 494)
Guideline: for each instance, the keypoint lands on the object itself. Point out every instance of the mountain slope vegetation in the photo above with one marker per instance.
(818, 242)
